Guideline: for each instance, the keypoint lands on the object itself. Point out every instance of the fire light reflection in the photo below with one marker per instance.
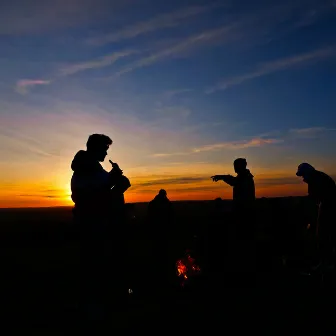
(187, 268)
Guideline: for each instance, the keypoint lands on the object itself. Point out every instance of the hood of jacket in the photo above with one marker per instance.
(83, 163)
(246, 173)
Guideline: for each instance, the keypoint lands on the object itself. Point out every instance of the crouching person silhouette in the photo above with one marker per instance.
(99, 201)
(322, 190)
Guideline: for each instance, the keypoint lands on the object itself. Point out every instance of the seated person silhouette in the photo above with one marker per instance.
(160, 208)
(160, 233)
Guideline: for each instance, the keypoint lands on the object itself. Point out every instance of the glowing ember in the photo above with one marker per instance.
(181, 269)
(187, 267)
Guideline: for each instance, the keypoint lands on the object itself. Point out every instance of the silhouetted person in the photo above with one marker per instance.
(322, 189)
(98, 198)
(91, 184)
(160, 208)
(160, 226)
(243, 212)
(218, 204)
(243, 191)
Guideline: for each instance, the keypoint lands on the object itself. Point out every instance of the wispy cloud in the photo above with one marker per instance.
(275, 66)
(276, 180)
(195, 41)
(162, 21)
(95, 64)
(229, 145)
(23, 85)
(172, 93)
(255, 142)
(174, 180)
(310, 132)
(25, 143)
(240, 30)
(175, 112)
(20, 17)
(270, 138)
(38, 196)
(160, 155)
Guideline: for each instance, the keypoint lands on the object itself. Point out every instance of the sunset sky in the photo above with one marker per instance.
(182, 87)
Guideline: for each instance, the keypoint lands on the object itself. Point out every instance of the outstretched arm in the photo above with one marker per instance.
(229, 179)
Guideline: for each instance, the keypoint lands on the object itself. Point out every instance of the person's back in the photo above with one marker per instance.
(321, 187)
(244, 190)
(160, 209)
(89, 184)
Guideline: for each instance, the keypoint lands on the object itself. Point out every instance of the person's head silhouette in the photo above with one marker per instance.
(239, 165)
(97, 146)
(163, 193)
(305, 170)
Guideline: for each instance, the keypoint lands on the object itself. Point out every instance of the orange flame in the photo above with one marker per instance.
(186, 267)
(181, 269)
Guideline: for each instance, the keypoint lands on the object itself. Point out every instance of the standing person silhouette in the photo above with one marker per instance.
(243, 189)
(98, 197)
(322, 189)
(243, 211)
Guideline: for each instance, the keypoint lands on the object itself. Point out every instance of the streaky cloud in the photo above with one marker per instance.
(187, 44)
(275, 66)
(101, 62)
(255, 142)
(167, 20)
(310, 132)
(24, 85)
(174, 180)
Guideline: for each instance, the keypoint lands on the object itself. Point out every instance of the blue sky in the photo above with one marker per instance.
(180, 86)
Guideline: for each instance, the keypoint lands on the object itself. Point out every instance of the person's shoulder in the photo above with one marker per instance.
(246, 177)
(323, 177)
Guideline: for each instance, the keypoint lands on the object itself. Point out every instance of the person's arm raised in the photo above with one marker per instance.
(115, 173)
(217, 178)
(229, 179)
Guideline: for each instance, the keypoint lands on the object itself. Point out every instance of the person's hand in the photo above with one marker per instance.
(216, 178)
(115, 166)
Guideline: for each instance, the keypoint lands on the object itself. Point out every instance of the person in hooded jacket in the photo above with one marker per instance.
(243, 215)
(322, 189)
(90, 184)
(99, 202)
(243, 189)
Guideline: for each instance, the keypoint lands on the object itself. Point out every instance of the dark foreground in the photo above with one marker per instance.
(40, 285)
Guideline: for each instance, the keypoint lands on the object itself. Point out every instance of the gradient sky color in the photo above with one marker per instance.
(182, 87)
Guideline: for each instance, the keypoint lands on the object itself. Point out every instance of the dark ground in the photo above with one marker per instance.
(40, 284)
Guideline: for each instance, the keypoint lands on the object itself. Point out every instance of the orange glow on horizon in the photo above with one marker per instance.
(174, 195)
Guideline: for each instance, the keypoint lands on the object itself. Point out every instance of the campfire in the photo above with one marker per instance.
(187, 268)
